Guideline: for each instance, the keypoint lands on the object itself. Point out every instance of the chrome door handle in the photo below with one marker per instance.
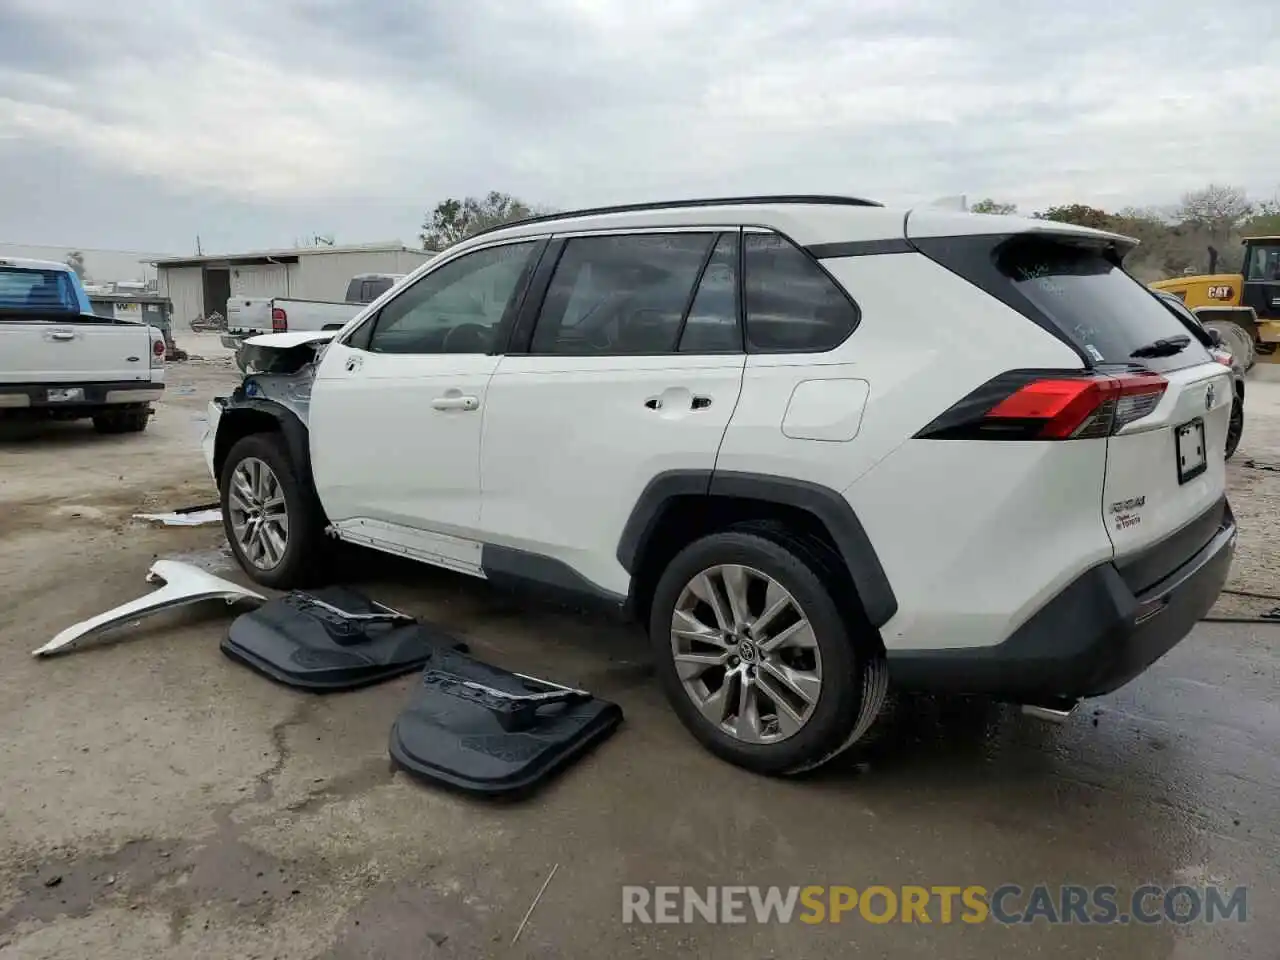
(61, 336)
(456, 403)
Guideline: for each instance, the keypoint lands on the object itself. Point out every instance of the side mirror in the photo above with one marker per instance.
(1215, 335)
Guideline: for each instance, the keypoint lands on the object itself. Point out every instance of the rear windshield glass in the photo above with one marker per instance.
(36, 291)
(1099, 307)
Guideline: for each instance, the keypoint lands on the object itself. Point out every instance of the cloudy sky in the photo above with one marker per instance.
(141, 123)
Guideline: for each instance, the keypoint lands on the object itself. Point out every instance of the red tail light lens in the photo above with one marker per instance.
(279, 320)
(1025, 405)
(1222, 356)
(157, 348)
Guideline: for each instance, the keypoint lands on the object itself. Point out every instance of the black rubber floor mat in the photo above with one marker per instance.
(482, 729)
(331, 639)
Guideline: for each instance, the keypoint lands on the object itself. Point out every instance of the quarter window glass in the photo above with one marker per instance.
(457, 308)
(620, 295)
(793, 306)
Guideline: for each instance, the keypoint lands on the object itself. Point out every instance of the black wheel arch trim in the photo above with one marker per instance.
(826, 505)
(291, 427)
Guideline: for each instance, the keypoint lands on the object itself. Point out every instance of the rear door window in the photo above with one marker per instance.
(712, 324)
(620, 295)
(1101, 309)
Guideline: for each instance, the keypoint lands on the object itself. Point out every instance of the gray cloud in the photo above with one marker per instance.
(255, 121)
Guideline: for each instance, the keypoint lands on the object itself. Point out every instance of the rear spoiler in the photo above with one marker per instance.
(932, 223)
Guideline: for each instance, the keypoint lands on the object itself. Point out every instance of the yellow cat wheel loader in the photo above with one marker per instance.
(1243, 307)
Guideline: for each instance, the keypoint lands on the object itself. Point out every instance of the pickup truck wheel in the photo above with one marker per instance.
(756, 657)
(272, 521)
(122, 421)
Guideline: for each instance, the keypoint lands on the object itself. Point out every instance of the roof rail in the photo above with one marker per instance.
(684, 204)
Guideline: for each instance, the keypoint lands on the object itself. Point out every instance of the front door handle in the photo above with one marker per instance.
(62, 336)
(456, 403)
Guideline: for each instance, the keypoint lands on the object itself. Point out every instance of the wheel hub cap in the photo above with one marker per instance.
(258, 513)
(746, 654)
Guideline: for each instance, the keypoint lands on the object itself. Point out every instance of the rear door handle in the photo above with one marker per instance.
(456, 403)
(61, 335)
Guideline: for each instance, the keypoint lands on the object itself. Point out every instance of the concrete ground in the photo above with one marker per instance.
(158, 800)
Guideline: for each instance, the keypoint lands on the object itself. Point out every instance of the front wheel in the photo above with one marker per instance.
(757, 658)
(273, 521)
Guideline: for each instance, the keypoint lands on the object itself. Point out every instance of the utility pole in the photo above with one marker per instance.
(199, 252)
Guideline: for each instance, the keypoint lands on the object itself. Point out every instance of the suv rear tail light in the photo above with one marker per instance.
(1042, 405)
(1222, 356)
(279, 320)
(158, 351)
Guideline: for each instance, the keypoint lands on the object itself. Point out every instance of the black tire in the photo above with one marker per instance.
(122, 421)
(1235, 427)
(307, 548)
(854, 676)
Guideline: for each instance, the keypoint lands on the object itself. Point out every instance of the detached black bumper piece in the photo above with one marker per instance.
(481, 729)
(1095, 636)
(331, 639)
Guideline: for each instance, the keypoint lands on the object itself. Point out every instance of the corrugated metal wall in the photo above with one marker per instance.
(324, 276)
(184, 286)
(411, 260)
(260, 280)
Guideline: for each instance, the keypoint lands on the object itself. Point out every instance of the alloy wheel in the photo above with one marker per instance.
(746, 654)
(258, 513)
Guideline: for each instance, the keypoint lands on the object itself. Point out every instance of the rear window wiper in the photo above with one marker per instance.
(1164, 347)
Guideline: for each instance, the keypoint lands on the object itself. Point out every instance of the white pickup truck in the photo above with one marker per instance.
(60, 362)
(251, 316)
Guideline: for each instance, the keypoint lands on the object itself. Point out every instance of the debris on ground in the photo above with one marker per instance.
(205, 514)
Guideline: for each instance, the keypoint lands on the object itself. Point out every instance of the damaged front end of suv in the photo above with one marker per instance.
(275, 395)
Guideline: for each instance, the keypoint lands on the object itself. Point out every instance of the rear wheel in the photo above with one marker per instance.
(122, 421)
(757, 658)
(273, 522)
(1235, 426)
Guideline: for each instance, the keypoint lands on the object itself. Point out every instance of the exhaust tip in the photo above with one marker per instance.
(1053, 714)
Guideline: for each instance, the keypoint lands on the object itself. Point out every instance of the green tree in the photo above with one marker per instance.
(1082, 215)
(988, 205)
(453, 220)
(75, 260)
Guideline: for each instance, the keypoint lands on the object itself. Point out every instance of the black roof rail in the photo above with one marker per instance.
(684, 204)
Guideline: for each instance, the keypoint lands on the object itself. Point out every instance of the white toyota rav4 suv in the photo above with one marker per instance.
(814, 444)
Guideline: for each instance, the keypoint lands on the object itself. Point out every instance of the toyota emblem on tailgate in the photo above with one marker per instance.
(1208, 398)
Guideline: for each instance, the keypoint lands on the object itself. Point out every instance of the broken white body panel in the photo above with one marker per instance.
(183, 585)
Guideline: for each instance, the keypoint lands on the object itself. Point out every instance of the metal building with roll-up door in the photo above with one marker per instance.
(201, 285)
